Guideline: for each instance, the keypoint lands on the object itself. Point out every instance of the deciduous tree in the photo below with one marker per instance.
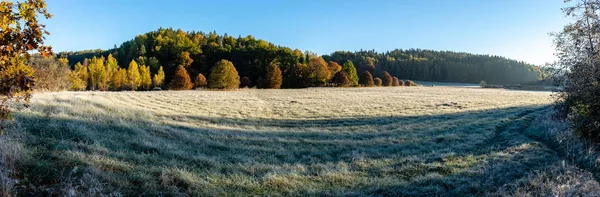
(334, 67)
(386, 79)
(118, 80)
(274, 77)
(20, 34)
(134, 79)
(145, 78)
(159, 78)
(366, 79)
(320, 71)
(349, 68)
(341, 79)
(224, 76)
(377, 81)
(181, 80)
(578, 47)
(395, 81)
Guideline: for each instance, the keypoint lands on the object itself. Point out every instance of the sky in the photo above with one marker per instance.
(517, 29)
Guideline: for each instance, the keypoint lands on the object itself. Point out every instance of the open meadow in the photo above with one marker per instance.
(423, 141)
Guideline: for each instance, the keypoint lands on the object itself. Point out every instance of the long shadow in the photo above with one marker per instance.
(203, 147)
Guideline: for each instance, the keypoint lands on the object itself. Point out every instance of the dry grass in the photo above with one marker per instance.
(320, 141)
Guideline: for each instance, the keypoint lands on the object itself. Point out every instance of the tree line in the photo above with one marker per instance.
(105, 74)
(252, 58)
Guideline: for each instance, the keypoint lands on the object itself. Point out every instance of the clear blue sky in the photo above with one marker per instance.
(517, 29)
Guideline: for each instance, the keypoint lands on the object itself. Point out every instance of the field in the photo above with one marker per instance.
(423, 141)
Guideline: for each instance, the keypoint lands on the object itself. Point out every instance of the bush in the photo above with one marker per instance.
(273, 79)
(341, 79)
(181, 80)
(386, 79)
(366, 79)
(245, 82)
(395, 81)
(200, 81)
(410, 83)
(53, 75)
(224, 76)
(377, 81)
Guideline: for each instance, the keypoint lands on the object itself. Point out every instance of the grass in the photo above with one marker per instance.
(418, 141)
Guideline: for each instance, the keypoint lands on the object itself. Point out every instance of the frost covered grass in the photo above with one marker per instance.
(424, 141)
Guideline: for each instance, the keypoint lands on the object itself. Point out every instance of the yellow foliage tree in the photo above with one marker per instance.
(159, 78)
(112, 66)
(224, 76)
(145, 77)
(320, 71)
(133, 76)
(20, 34)
(118, 80)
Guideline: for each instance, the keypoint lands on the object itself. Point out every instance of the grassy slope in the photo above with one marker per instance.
(356, 141)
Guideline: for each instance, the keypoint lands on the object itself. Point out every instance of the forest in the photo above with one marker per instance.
(161, 52)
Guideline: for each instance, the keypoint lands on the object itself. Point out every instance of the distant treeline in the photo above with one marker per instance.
(198, 52)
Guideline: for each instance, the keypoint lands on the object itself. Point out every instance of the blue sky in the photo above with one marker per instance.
(517, 29)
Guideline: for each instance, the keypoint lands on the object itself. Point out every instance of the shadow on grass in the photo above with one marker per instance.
(466, 153)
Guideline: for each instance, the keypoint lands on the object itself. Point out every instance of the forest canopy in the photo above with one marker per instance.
(198, 52)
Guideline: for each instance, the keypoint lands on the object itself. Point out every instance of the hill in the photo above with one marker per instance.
(170, 48)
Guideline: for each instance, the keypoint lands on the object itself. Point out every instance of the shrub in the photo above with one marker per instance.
(341, 79)
(200, 81)
(377, 81)
(386, 79)
(273, 79)
(245, 82)
(366, 79)
(482, 84)
(52, 74)
(181, 80)
(224, 76)
(400, 83)
(410, 83)
(395, 81)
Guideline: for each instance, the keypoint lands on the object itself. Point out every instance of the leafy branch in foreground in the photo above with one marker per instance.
(20, 34)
